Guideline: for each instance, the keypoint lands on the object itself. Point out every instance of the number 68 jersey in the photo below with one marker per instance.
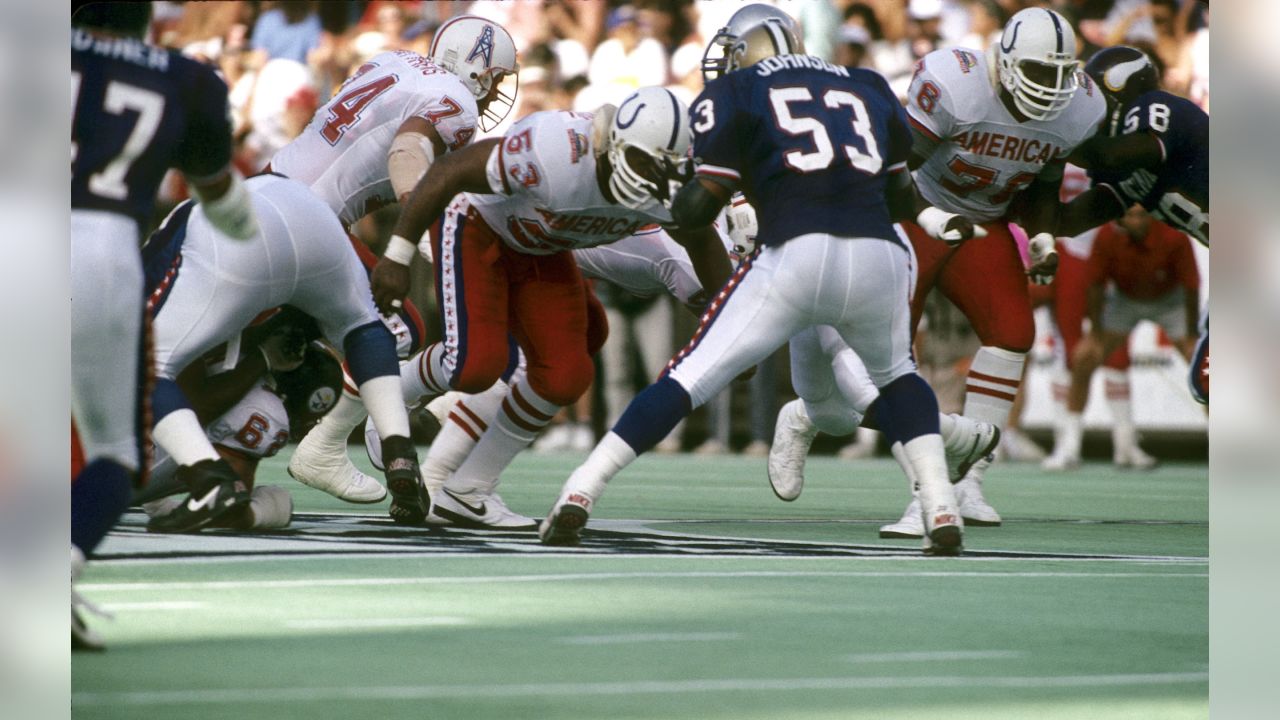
(985, 157)
(342, 154)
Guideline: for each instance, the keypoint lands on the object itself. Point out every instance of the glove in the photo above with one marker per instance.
(1044, 259)
(741, 218)
(285, 349)
(948, 227)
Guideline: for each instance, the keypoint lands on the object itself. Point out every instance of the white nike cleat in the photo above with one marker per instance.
(336, 475)
(1060, 462)
(477, 512)
(911, 525)
(1133, 457)
(792, 437)
(970, 442)
(563, 525)
(974, 508)
(944, 531)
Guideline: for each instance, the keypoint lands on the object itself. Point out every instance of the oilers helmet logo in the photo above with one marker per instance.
(483, 47)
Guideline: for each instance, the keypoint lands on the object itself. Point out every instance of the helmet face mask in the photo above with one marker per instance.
(648, 147)
(1036, 63)
(747, 17)
(483, 56)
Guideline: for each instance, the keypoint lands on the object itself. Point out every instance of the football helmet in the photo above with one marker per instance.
(763, 40)
(310, 391)
(713, 66)
(1123, 73)
(1036, 62)
(648, 147)
(483, 56)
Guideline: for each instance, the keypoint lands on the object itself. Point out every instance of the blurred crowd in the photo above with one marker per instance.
(284, 59)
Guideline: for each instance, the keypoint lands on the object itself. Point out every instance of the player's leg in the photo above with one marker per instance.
(873, 318)
(986, 281)
(549, 319)
(106, 322)
(747, 321)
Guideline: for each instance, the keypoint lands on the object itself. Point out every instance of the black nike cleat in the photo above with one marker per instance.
(410, 503)
(215, 490)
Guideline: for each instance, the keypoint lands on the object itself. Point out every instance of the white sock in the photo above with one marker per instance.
(1124, 434)
(335, 427)
(521, 416)
(422, 376)
(469, 419)
(992, 384)
(928, 460)
(610, 455)
(384, 403)
(1072, 435)
(181, 435)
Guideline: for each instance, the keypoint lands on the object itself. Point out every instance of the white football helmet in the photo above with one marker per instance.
(743, 20)
(1036, 62)
(482, 55)
(648, 147)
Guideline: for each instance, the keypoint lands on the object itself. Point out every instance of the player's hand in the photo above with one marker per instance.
(284, 350)
(1044, 259)
(958, 229)
(390, 281)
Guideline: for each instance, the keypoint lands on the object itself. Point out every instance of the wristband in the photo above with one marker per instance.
(934, 221)
(233, 212)
(399, 250)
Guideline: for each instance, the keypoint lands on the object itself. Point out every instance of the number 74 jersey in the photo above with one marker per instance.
(342, 154)
(985, 157)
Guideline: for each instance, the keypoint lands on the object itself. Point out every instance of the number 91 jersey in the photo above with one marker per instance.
(342, 154)
(810, 145)
(984, 156)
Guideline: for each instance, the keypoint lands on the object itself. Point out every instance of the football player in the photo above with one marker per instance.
(821, 152)
(366, 148)
(556, 182)
(989, 130)
(202, 293)
(137, 110)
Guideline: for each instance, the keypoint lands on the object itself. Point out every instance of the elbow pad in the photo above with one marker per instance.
(410, 155)
(694, 206)
(233, 213)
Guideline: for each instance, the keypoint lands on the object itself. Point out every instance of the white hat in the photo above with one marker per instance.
(924, 9)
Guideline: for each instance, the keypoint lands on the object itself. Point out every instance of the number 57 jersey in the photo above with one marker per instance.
(810, 144)
(342, 154)
(985, 157)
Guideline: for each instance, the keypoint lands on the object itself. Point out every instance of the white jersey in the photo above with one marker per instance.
(546, 198)
(342, 154)
(256, 427)
(645, 264)
(985, 156)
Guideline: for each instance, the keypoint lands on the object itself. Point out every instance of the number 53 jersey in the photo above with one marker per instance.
(985, 157)
(342, 154)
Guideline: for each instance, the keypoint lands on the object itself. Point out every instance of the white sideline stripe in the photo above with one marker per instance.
(641, 687)
(156, 605)
(366, 623)
(561, 577)
(934, 655)
(648, 637)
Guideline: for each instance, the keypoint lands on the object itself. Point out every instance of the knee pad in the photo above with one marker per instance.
(1009, 334)
(479, 372)
(833, 416)
(565, 382)
(597, 324)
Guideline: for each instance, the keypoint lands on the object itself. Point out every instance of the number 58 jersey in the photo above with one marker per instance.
(985, 157)
(342, 153)
(810, 144)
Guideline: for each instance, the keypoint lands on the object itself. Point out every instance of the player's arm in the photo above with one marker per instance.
(1097, 206)
(415, 146)
(204, 157)
(212, 396)
(706, 253)
(928, 113)
(462, 171)
(1039, 217)
(1123, 153)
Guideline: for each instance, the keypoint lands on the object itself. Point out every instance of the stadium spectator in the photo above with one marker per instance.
(629, 59)
(290, 30)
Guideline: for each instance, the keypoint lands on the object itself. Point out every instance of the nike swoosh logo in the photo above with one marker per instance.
(477, 510)
(207, 501)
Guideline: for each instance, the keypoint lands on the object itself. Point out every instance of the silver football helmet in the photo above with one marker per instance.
(1036, 62)
(648, 147)
(766, 39)
(713, 65)
(482, 54)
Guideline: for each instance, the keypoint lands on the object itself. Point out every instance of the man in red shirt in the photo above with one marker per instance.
(1139, 269)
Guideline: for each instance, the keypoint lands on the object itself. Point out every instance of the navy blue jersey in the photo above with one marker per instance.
(137, 111)
(809, 143)
(1178, 191)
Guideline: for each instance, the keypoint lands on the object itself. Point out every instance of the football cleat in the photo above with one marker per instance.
(974, 508)
(83, 638)
(563, 526)
(972, 441)
(477, 512)
(1060, 462)
(911, 525)
(1133, 457)
(333, 474)
(410, 503)
(215, 490)
(793, 434)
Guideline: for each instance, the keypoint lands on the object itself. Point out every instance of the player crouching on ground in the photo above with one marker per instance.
(284, 382)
